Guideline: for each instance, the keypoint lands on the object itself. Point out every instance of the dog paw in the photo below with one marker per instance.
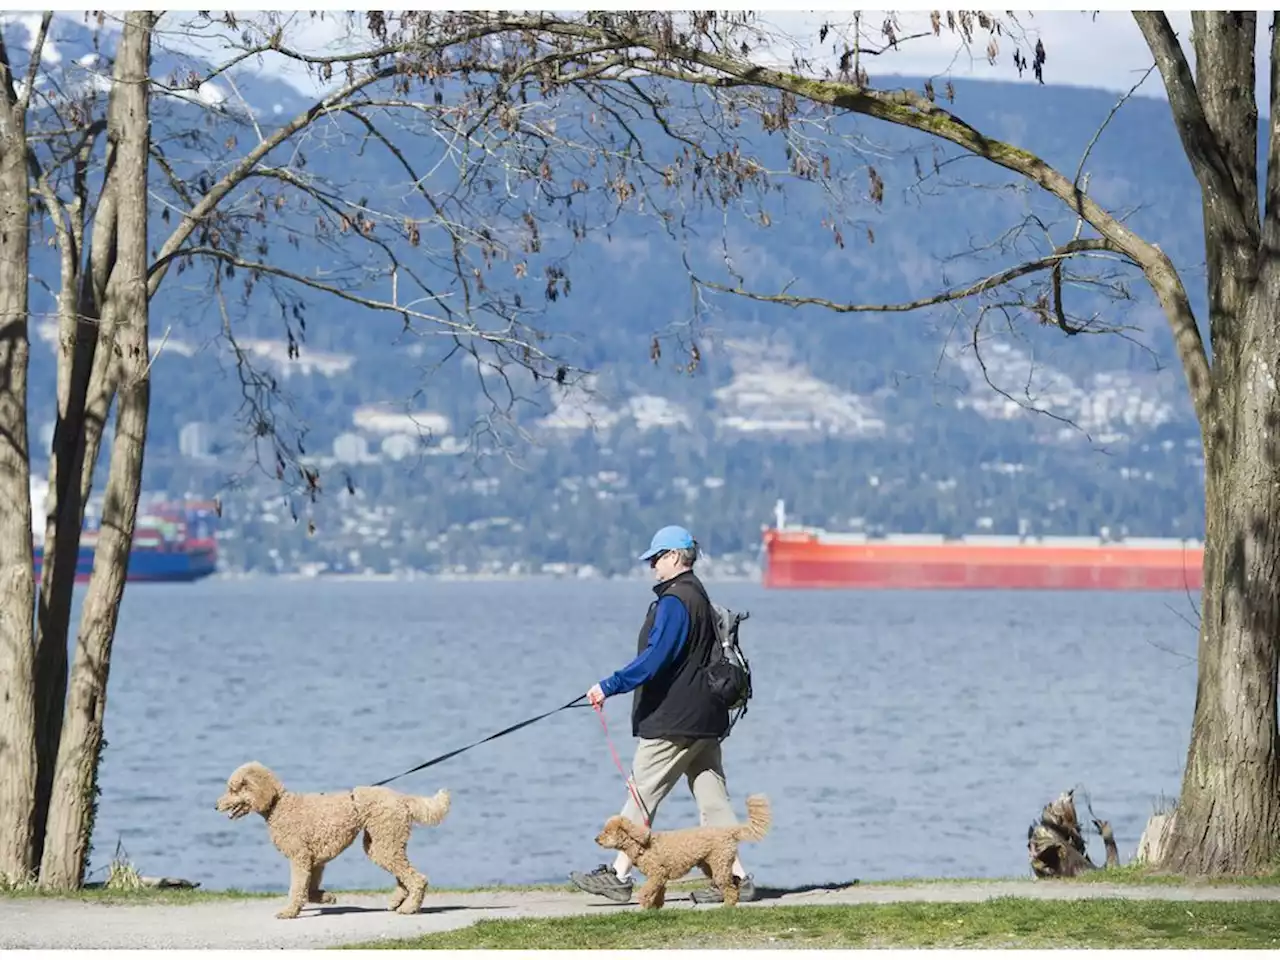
(324, 897)
(408, 908)
(288, 913)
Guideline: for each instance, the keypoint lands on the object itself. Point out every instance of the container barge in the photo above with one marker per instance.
(173, 541)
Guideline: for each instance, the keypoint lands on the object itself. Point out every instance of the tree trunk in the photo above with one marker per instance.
(1228, 815)
(74, 798)
(69, 486)
(1056, 844)
(63, 522)
(17, 579)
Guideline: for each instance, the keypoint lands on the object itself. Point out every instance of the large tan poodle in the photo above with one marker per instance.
(663, 857)
(310, 829)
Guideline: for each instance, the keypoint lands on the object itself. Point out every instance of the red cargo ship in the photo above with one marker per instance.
(797, 557)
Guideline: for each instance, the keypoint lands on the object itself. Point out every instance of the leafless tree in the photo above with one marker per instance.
(543, 129)
(130, 190)
(1228, 818)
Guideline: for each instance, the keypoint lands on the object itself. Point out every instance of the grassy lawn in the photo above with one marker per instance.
(141, 896)
(1002, 922)
(173, 895)
(1007, 922)
(1148, 878)
(1125, 876)
(1128, 876)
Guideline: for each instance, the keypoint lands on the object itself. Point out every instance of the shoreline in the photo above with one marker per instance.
(414, 576)
(1129, 876)
(1062, 913)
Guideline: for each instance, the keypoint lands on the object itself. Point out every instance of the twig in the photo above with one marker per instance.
(146, 371)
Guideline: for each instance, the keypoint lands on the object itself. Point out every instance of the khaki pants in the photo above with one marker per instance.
(658, 766)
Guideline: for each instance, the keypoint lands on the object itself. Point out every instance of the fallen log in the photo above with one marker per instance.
(149, 882)
(1056, 846)
(169, 883)
(152, 883)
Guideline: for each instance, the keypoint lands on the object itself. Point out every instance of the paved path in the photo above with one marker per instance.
(37, 923)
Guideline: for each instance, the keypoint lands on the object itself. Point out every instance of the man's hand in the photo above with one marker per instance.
(596, 696)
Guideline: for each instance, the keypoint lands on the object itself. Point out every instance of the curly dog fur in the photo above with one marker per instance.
(310, 829)
(664, 857)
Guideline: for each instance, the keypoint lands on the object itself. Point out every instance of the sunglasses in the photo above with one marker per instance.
(653, 561)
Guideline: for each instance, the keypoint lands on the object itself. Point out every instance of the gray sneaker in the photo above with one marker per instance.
(712, 894)
(603, 882)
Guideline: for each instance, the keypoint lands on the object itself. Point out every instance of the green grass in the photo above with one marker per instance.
(170, 896)
(145, 895)
(937, 881)
(173, 896)
(1126, 876)
(1139, 875)
(1006, 922)
(1131, 875)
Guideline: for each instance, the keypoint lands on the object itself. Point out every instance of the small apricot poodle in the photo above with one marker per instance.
(664, 857)
(310, 829)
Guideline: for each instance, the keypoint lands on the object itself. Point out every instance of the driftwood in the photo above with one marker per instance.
(153, 883)
(1056, 846)
(1152, 842)
(122, 875)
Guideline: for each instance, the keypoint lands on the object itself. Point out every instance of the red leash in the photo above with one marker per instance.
(621, 769)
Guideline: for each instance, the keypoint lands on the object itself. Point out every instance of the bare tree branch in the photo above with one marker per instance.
(1093, 141)
(33, 66)
(975, 342)
(1198, 139)
(1271, 225)
(336, 101)
(686, 62)
(465, 330)
(1054, 260)
(1224, 42)
(8, 85)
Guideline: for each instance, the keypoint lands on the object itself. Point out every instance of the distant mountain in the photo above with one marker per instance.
(877, 421)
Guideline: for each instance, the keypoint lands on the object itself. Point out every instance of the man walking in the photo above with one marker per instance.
(673, 716)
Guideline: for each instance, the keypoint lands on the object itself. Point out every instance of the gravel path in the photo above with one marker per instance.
(38, 923)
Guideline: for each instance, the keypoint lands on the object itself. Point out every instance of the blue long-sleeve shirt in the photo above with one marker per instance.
(667, 637)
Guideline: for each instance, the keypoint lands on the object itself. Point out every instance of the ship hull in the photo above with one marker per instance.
(797, 560)
(150, 566)
(173, 541)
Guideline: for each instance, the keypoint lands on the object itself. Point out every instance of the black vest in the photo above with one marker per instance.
(676, 702)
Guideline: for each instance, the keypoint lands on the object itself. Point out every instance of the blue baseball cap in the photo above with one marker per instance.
(668, 538)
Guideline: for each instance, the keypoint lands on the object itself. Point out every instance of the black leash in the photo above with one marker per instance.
(501, 733)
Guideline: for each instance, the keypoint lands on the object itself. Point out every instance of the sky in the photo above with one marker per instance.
(1101, 49)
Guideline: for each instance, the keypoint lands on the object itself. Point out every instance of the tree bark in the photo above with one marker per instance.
(17, 580)
(1056, 846)
(74, 798)
(1228, 814)
(69, 485)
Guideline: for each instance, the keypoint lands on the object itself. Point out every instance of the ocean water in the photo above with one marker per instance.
(896, 734)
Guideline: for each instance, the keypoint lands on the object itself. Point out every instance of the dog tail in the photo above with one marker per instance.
(759, 818)
(429, 810)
